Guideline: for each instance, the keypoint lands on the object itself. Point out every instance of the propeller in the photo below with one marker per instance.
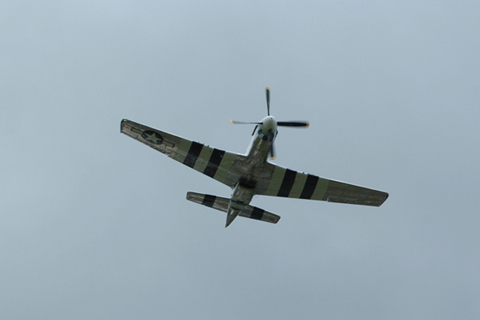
(243, 122)
(293, 124)
(267, 90)
(272, 154)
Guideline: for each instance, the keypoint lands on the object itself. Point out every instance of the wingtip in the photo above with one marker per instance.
(121, 124)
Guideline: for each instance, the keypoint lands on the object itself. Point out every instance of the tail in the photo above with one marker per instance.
(232, 208)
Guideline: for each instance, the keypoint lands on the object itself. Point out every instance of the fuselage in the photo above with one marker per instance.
(263, 136)
(257, 154)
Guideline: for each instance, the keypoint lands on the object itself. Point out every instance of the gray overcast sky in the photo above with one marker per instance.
(95, 225)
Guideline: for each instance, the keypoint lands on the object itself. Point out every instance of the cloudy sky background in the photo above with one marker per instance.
(95, 225)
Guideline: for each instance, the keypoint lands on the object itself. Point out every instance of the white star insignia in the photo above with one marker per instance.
(153, 138)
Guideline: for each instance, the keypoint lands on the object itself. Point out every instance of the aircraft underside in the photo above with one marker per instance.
(250, 174)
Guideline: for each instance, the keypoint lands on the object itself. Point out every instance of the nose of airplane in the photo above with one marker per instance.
(269, 124)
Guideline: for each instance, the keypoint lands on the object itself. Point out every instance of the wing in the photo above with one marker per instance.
(215, 163)
(288, 183)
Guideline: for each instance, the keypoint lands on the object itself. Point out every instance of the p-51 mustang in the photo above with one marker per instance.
(250, 174)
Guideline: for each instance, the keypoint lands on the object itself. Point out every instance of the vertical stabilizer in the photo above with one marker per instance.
(234, 208)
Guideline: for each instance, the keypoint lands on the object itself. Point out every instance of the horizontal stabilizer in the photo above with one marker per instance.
(221, 204)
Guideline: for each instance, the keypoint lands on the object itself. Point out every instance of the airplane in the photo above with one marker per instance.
(250, 174)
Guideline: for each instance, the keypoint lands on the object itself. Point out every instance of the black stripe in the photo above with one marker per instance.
(214, 162)
(193, 153)
(209, 200)
(309, 187)
(257, 213)
(287, 183)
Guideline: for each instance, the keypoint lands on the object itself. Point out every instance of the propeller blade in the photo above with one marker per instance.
(272, 154)
(293, 124)
(268, 100)
(243, 122)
